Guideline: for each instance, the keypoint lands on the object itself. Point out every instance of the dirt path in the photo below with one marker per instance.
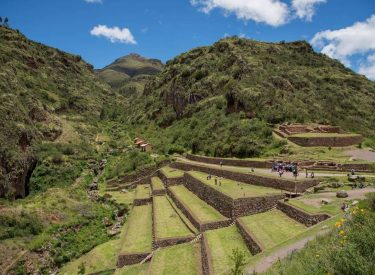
(363, 154)
(268, 261)
(19, 256)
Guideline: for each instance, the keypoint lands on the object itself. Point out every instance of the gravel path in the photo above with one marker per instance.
(363, 154)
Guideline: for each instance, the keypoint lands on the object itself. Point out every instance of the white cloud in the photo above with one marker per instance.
(94, 1)
(305, 9)
(343, 43)
(114, 34)
(368, 68)
(271, 12)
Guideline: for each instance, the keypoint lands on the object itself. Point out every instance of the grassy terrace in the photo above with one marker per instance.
(312, 204)
(157, 184)
(168, 223)
(273, 227)
(171, 172)
(313, 135)
(221, 242)
(120, 197)
(179, 259)
(203, 211)
(235, 189)
(136, 269)
(142, 191)
(138, 236)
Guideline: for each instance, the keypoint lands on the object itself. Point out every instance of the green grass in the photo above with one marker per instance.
(203, 211)
(102, 257)
(182, 216)
(138, 236)
(332, 208)
(221, 242)
(157, 184)
(142, 191)
(137, 269)
(313, 135)
(171, 172)
(235, 189)
(121, 197)
(272, 227)
(179, 259)
(168, 223)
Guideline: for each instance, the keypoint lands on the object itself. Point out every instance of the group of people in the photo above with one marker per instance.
(281, 168)
(217, 179)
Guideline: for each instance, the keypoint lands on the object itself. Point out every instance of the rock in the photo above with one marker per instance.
(325, 201)
(336, 185)
(355, 203)
(342, 194)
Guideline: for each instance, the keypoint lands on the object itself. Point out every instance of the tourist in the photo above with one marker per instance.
(216, 180)
(221, 164)
(352, 172)
(312, 175)
(281, 172)
(307, 173)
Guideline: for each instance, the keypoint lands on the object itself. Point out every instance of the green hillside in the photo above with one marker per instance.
(130, 73)
(233, 92)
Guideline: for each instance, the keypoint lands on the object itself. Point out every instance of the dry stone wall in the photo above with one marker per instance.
(250, 206)
(283, 184)
(170, 181)
(130, 259)
(230, 162)
(326, 141)
(138, 202)
(207, 268)
(251, 242)
(300, 215)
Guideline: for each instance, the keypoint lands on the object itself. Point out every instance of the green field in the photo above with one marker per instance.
(311, 203)
(235, 189)
(157, 184)
(221, 243)
(137, 269)
(168, 223)
(121, 197)
(171, 172)
(272, 227)
(138, 236)
(313, 135)
(203, 211)
(142, 191)
(179, 259)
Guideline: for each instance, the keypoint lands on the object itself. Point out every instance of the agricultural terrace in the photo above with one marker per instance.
(272, 227)
(122, 197)
(138, 236)
(246, 170)
(137, 269)
(178, 259)
(221, 243)
(313, 203)
(168, 223)
(235, 189)
(203, 211)
(171, 172)
(157, 184)
(311, 135)
(142, 191)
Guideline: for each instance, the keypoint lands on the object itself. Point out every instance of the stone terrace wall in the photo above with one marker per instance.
(283, 184)
(249, 206)
(207, 268)
(138, 202)
(170, 181)
(300, 215)
(251, 242)
(172, 241)
(231, 162)
(326, 141)
(130, 259)
(219, 201)
(356, 166)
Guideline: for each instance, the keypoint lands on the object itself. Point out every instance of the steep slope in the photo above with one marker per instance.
(41, 89)
(130, 71)
(265, 82)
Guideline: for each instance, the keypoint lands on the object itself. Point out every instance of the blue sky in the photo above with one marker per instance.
(343, 29)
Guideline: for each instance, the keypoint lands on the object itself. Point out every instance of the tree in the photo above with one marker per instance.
(1, 20)
(6, 22)
(239, 260)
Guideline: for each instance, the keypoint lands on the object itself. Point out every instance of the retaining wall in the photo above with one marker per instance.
(251, 242)
(326, 141)
(231, 162)
(283, 184)
(300, 215)
(250, 206)
(138, 202)
(130, 259)
(207, 268)
(170, 181)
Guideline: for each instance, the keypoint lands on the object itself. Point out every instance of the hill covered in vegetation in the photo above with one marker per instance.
(229, 95)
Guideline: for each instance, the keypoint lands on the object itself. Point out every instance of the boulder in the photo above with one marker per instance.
(342, 194)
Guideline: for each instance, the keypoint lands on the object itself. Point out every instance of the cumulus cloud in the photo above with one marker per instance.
(270, 12)
(94, 1)
(305, 9)
(343, 43)
(114, 34)
(368, 68)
